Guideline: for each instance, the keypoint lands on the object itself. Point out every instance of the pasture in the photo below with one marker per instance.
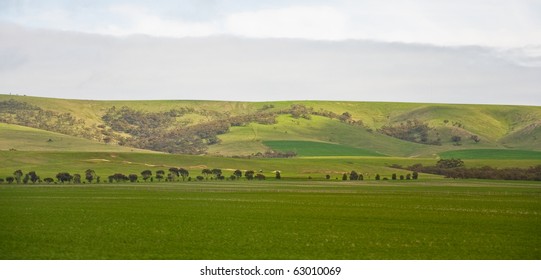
(450, 219)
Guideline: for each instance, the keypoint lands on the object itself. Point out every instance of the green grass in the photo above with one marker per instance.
(493, 154)
(31, 139)
(272, 220)
(309, 148)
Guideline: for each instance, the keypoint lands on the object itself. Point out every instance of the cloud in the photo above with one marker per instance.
(494, 23)
(313, 22)
(75, 65)
(139, 20)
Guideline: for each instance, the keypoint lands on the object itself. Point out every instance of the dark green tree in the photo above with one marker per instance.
(345, 177)
(217, 172)
(278, 175)
(18, 174)
(183, 173)
(415, 175)
(146, 174)
(174, 173)
(378, 177)
(90, 175)
(159, 175)
(206, 172)
(77, 178)
(249, 174)
(48, 180)
(237, 173)
(393, 176)
(63, 177)
(33, 176)
(353, 176)
(132, 178)
(10, 179)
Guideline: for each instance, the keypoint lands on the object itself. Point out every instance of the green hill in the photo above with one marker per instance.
(248, 128)
(21, 138)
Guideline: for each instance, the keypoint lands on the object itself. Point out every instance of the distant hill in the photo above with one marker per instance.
(266, 128)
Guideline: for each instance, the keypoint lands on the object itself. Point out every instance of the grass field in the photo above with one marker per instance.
(493, 154)
(273, 220)
(309, 148)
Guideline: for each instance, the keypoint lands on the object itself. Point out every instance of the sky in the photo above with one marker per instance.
(481, 51)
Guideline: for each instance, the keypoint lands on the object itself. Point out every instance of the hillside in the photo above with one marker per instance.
(21, 138)
(270, 129)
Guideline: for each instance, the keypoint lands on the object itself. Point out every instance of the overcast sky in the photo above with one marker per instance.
(481, 51)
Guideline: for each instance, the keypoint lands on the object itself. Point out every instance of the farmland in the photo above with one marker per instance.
(310, 213)
(272, 220)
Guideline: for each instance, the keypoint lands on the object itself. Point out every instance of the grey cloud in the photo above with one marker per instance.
(75, 65)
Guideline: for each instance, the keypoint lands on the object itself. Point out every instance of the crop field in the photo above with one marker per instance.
(452, 219)
(492, 154)
(309, 148)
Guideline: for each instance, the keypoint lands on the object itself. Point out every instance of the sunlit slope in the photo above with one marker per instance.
(21, 138)
(497, 126)
(243, 140)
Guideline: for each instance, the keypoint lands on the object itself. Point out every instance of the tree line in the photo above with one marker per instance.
(456, 169)
(173, 174)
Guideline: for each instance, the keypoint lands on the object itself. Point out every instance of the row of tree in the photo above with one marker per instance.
(174, 174)
(455, 168)
(354, 176)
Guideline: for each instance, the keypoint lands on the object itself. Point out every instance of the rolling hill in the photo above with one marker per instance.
(242, 129)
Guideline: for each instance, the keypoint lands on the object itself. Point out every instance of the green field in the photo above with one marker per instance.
(493, 154)
(308, 148)
(272, 220)
(311, 213)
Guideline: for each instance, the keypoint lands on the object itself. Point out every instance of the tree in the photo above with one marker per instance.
(200, 178)
(232, 177)
(26, 178)
(401, 177)
(174, 173)
(475, 138)
(119, 177)
(17, 175)
(345, 117)
(146, 174)
(345, 177)
(90, 175)
(249, 174)
(415, 175)
(278, 175)
(456, 139)
(48, 180)
(327, 176)
(132, 178)
(10, 179)
(377, 177)
(77, 178)
(260, 176)
(237, 173)
(408, 176)
(361, 177)
(33, 177)
(217, 172)
(353, 176)
(450, 163)
(64, 177)
(159, 175)
(393, 177)
(206, 172)
(183, 173)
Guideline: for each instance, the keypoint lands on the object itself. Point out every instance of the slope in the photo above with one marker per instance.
(21, 138)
